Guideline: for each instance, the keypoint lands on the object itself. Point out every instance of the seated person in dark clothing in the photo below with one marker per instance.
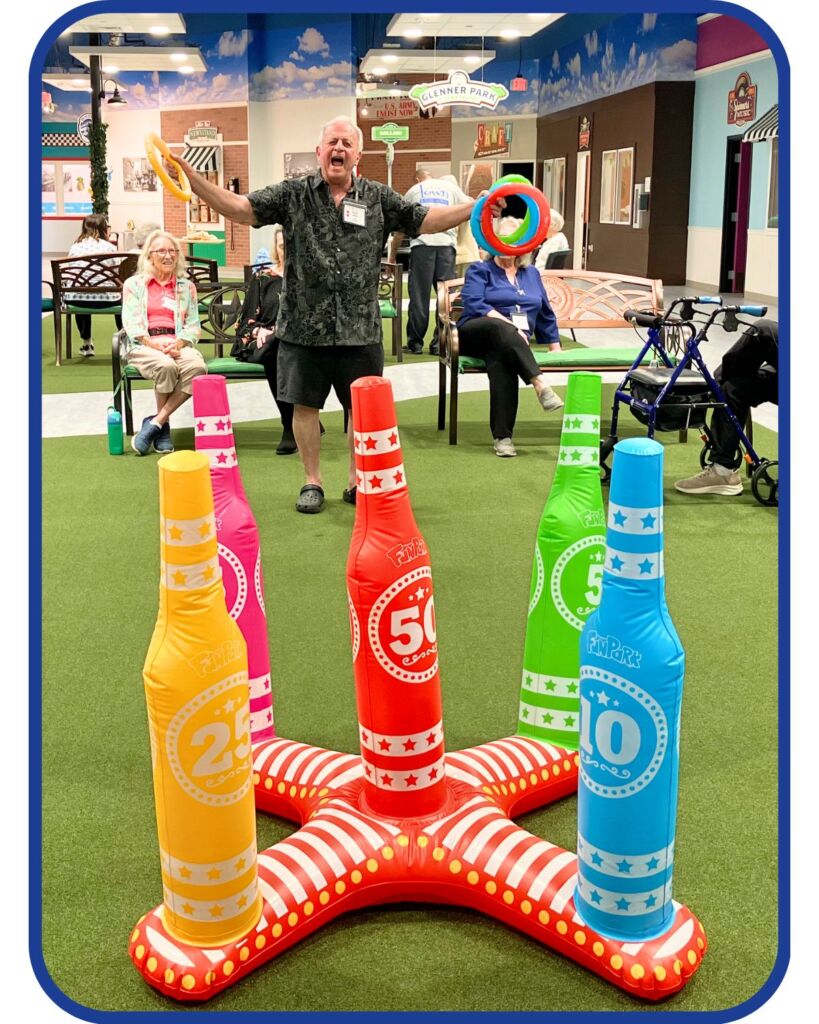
(256, 334)
(748, 377)
(504, 303)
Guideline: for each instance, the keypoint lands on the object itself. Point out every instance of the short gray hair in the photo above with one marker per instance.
(141, 232)
(343, 119)
(144, 261)
(556, 221)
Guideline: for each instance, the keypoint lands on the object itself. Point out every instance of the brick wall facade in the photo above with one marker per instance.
(426, 135)
(231, 122)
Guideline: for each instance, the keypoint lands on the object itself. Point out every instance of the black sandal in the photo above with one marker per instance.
(349, 495)
(311, 499)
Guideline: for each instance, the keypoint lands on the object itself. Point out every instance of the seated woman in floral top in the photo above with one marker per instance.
(160, 315)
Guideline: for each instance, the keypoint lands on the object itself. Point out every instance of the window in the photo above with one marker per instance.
(554, 182)
(773, 186)
(616, 185)
(66, 188)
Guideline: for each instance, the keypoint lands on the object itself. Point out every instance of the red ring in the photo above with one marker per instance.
(515, 189)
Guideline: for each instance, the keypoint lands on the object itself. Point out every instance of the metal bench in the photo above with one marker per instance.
(581, 300)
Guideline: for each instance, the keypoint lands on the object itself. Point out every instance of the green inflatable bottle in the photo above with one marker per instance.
(567, 574)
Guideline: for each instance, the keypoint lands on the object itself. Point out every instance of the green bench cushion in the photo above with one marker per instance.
(93, 309)
(225, 365)
(570, 358)
(387, 308)
(47, 305)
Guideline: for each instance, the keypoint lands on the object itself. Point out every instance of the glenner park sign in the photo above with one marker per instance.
(458, 88)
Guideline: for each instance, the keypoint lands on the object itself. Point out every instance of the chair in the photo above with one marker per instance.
(558, 260)
(204, 272)
(390, 298)
(87, 277)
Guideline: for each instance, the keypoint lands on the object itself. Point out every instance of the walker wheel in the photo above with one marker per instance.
(706, 459)
(765, 483)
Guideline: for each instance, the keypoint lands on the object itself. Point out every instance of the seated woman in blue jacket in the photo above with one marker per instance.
(504, 304)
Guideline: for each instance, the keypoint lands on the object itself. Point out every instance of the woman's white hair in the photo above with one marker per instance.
(144, 262)
(343, 119)
(505, 226)
(556, 222)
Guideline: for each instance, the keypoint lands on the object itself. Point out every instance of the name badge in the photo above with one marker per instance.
(353, 212)
(168, 303)
(520, 320)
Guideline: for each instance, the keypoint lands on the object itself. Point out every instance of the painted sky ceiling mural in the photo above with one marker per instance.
(263, 58)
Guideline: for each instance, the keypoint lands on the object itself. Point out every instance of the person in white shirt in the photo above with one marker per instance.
(556, 241)
(432, 256)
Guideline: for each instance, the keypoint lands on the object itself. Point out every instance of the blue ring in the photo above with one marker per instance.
(477, 231)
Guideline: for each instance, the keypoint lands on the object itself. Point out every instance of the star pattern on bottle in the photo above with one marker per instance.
(648, 521)
(617, 563)
(370, 444)
(646, 566)
(619, 518)
(175, 533)
(652, 864)
(624, 866)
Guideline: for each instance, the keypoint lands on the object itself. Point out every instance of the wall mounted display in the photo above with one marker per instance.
(66, 188)
(399, 108)
(138, 175)
(616, 186)
(554, 182)
(477, 175)
(494, 138)
(742, 101)
(583, 133)
(296, 165)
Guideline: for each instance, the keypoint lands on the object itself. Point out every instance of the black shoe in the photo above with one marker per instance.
(287, 445)
(349, 495)
(321, 427)
(433, 349)
(416, 350)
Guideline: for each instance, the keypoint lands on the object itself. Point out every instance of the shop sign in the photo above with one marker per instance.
(389, 133)
(742, 101)
(494, 139)
(458, 89)
(84, 127)
(583, 133)
(401, 108)
(203, 131)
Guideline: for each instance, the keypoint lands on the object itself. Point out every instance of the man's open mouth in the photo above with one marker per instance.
(336, 161)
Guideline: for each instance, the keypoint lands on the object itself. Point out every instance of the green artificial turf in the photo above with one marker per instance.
(479, 515)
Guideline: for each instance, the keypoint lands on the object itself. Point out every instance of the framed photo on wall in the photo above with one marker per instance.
(296, 165)
(138, 175)
(477, 175)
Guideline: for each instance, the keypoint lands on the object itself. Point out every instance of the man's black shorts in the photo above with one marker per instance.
(307, 372)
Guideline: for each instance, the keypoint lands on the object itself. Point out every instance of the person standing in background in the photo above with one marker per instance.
(466, 248)
(432, 256)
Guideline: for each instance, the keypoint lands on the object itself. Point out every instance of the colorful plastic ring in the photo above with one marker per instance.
(183, 189)
(501, 248)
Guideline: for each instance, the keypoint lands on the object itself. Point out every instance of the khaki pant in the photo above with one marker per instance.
(168, 373)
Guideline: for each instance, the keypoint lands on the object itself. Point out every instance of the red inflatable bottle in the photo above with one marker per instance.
(392, 622)
(239, 553)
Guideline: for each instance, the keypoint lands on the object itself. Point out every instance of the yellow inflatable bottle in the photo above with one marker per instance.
(198, 714)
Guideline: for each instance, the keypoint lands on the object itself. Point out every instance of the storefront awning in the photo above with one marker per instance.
(767, 127)
(201, 158)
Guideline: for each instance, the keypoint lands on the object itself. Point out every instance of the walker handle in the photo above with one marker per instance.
(753, 310)
(642, 318)
(708, 300)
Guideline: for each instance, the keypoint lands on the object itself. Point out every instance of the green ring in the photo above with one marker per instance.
(523, 227)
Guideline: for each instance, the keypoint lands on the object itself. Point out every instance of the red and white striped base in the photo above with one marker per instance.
(472, 855)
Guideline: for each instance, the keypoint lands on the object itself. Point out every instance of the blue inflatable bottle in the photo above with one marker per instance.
(116, 444)
(631, 683)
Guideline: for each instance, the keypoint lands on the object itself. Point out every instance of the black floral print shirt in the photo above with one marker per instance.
(331, 269)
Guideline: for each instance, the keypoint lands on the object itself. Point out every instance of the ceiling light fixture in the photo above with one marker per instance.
(413, 33)
(379, 71)
(115, 97)
(509, 33)
(185, 69)
(390, 58)
(110, 69)
(159, 30)
(178, 57)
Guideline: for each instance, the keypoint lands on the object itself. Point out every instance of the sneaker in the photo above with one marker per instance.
(87, 348)
(415, 350)
(148, 433)
(549, 400)
(711, 481)
(434, 349)
(348, 495)
(504, 447)
(163, 443)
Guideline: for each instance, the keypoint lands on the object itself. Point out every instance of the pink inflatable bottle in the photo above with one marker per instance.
(238, 537)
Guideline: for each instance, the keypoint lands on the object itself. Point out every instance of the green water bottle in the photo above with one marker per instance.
(116, 444)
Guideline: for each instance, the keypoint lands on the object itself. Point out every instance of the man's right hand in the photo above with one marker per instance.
(173, 171)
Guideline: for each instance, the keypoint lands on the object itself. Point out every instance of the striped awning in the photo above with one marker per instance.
(201, 158)
(767, 127)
